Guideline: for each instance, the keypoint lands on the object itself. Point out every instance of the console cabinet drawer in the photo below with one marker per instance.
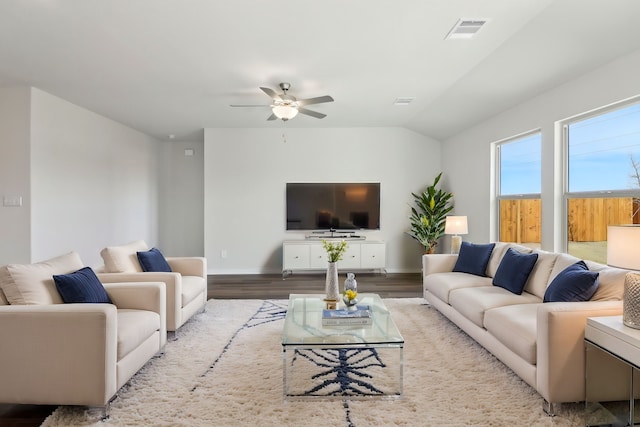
(310, 255)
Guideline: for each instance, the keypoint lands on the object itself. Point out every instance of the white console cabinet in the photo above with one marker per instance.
(307, 255)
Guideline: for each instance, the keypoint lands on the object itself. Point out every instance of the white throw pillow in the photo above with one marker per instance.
(3, 299)
(124, 258)
(33, 283)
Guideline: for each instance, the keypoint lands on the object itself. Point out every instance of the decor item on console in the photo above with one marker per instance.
(350, 293)
(334, 254)
(428, 220)
(456, 225)
(623, 250)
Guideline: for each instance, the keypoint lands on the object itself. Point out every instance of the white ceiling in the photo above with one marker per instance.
(174, 67)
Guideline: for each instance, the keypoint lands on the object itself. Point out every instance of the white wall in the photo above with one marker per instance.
(15, 222)
(246, 171)
(466, 157)
(182, 199)
(93, 181)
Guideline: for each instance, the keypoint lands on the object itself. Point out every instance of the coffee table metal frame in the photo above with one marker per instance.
(303, 330)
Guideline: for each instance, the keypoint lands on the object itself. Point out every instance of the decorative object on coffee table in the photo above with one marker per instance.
(623, 251)
(334, 254)
(350, 293)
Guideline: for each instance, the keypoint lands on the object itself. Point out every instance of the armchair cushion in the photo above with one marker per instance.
(153, 260)
(81, 286)
(123, 259)
(33, 283)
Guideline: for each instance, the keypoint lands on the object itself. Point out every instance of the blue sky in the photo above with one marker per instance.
(600, 152)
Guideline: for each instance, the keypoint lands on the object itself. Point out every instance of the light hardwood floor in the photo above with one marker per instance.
(270, 286)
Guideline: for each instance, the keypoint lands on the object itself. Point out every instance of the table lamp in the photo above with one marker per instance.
(455, 225)
(623, 251)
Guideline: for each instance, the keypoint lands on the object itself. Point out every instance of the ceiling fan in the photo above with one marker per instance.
(285, 106)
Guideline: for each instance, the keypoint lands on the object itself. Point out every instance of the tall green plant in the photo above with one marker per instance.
(428, 216)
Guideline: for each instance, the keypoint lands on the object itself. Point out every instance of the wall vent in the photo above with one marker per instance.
(465, 28)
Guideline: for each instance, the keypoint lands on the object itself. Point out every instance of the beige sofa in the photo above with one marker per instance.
(186, 284)
(73, 354)
(543, 343)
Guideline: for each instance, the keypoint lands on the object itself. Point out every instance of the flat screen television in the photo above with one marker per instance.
(333, 206)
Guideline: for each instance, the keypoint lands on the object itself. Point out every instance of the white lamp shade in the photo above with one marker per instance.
(456, 225)
(284, 112)
(623, 246)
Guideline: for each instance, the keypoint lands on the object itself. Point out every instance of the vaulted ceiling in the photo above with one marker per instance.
(168, 67)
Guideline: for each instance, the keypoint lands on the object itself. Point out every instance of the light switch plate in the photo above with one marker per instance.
(12, 201)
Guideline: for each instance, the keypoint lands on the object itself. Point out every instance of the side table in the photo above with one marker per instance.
(612, 377)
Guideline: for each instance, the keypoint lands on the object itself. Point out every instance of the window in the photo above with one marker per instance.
(603, 177)
(518, 188)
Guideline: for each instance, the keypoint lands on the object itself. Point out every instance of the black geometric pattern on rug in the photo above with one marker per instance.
(343, 371)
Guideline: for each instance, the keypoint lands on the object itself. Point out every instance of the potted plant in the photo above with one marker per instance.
(428, 216)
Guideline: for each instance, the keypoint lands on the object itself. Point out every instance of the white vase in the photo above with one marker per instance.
(331, 287)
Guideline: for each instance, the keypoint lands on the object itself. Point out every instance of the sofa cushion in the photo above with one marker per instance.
(124, 258)
(192, 286)
(33, 283)
(153, 260)
(472, 303)
(514, 270)
(610, 282)
(473, 258)
(81, 286)
(539, 277)
(498, 252)
(134, 327)
(3, 299)
(515, 326)
(441, 284)
(574, 283)
(563, 261)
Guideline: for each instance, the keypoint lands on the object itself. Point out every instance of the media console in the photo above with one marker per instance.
(308, 255)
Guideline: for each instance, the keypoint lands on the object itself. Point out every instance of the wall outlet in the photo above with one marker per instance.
(223, 253)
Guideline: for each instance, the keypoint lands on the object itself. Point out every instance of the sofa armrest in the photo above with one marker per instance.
(189, 266)
(438, 263)
(560, 346)
(58, 354)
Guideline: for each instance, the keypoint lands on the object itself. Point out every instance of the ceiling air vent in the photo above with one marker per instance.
(465, 29)
(403, 101)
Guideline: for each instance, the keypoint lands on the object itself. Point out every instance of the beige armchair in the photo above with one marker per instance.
(77, 354)
(186, 284)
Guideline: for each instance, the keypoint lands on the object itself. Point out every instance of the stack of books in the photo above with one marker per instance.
(361, 316)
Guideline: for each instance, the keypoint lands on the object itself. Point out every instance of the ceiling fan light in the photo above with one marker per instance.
(284, 112)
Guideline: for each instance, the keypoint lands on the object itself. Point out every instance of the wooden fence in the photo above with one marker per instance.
(588, 218)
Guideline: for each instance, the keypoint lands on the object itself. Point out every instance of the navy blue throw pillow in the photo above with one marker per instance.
(153, 260)
(514, 269)
(82, 286)
(473, 259)
(574, 283)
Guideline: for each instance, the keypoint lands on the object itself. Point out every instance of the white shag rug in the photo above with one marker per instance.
(225, 369)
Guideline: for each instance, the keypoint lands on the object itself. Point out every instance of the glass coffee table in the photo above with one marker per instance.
(343, 362)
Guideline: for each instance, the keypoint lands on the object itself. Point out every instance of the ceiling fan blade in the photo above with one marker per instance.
(272, 117)
(311, 113)
(270, 92)
(318, 100)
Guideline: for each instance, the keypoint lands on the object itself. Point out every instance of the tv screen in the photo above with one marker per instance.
(327, 206)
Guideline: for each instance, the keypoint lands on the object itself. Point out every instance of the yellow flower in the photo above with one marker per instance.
(350, 294)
